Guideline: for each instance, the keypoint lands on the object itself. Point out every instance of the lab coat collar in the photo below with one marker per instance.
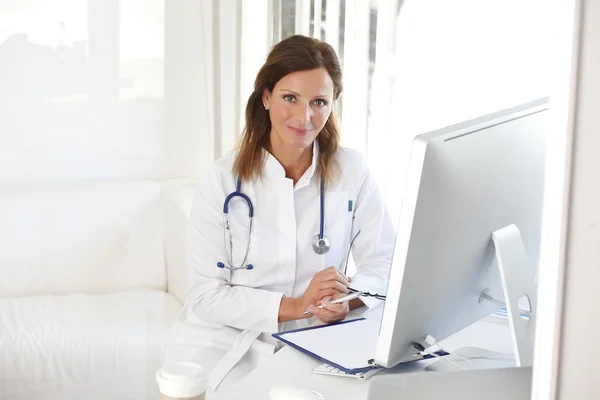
(274, 169)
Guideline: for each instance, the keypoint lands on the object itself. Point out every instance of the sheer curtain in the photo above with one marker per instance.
(107, 89)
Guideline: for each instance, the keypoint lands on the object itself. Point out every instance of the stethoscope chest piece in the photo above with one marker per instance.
(320, 244)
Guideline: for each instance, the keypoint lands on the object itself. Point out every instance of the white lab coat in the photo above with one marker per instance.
(231, 311)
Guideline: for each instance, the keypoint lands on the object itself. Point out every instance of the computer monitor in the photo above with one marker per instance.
(465, 183)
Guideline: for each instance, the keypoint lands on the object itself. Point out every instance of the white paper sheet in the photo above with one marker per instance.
(349, 345)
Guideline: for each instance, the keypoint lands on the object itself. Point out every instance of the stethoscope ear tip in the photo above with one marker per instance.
(249, 267)
(220, 265)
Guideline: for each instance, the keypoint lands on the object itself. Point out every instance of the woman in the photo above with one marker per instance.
(310, 197)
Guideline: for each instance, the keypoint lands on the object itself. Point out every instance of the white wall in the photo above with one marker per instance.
(126, 99)
(573, 321)
(461, 59)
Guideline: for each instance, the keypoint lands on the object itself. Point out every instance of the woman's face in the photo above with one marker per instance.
(299, 107)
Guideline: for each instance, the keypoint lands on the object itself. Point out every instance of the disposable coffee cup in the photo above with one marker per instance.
(182, 380)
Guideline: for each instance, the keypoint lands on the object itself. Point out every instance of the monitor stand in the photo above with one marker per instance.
(518, 280)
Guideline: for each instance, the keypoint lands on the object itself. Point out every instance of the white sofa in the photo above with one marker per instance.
(92, 275)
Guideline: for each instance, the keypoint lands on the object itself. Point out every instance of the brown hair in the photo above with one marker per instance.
(296, 53)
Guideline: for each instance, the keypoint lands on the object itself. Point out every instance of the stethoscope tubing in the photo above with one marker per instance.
(320, 246)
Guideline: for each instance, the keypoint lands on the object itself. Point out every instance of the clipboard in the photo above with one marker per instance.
(347, 345)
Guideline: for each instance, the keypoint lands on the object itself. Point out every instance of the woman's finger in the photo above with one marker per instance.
(322, 294)
(335, 275)
(334, 285)
(336, 308)
(324, 314)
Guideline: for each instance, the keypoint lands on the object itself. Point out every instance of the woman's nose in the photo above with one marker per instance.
(304, 113)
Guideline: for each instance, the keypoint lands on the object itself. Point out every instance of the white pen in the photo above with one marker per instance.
(339, 300)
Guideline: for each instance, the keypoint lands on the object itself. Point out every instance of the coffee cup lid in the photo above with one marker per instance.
(181, 379)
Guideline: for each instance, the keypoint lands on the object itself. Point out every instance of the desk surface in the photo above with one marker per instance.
(289, 366)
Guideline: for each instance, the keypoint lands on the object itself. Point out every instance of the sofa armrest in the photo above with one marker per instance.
(177, 196)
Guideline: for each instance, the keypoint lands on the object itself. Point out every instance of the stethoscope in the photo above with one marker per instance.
(320, 243)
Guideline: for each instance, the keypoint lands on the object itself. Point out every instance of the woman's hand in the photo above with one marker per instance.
(326, 283)
(331, 312)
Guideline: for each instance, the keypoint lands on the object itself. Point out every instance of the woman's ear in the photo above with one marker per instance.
(266, 98)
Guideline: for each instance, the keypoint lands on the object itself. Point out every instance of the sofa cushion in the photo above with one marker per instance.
(84, 346)
(178, 196)
(80, 237)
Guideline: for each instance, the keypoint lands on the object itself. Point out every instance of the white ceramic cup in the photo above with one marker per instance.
(182, 380)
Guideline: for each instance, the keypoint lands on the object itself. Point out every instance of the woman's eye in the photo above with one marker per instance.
(289, 98)
(320, 103)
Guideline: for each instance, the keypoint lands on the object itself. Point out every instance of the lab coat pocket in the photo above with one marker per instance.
(261, 256)
(244, 276)
(338, 219)
(338, 222)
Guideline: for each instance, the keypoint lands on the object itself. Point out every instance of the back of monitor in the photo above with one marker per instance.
(465, 182)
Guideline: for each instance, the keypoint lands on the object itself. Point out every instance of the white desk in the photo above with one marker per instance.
(290, 366)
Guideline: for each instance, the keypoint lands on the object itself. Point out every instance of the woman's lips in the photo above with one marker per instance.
(300, 131)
